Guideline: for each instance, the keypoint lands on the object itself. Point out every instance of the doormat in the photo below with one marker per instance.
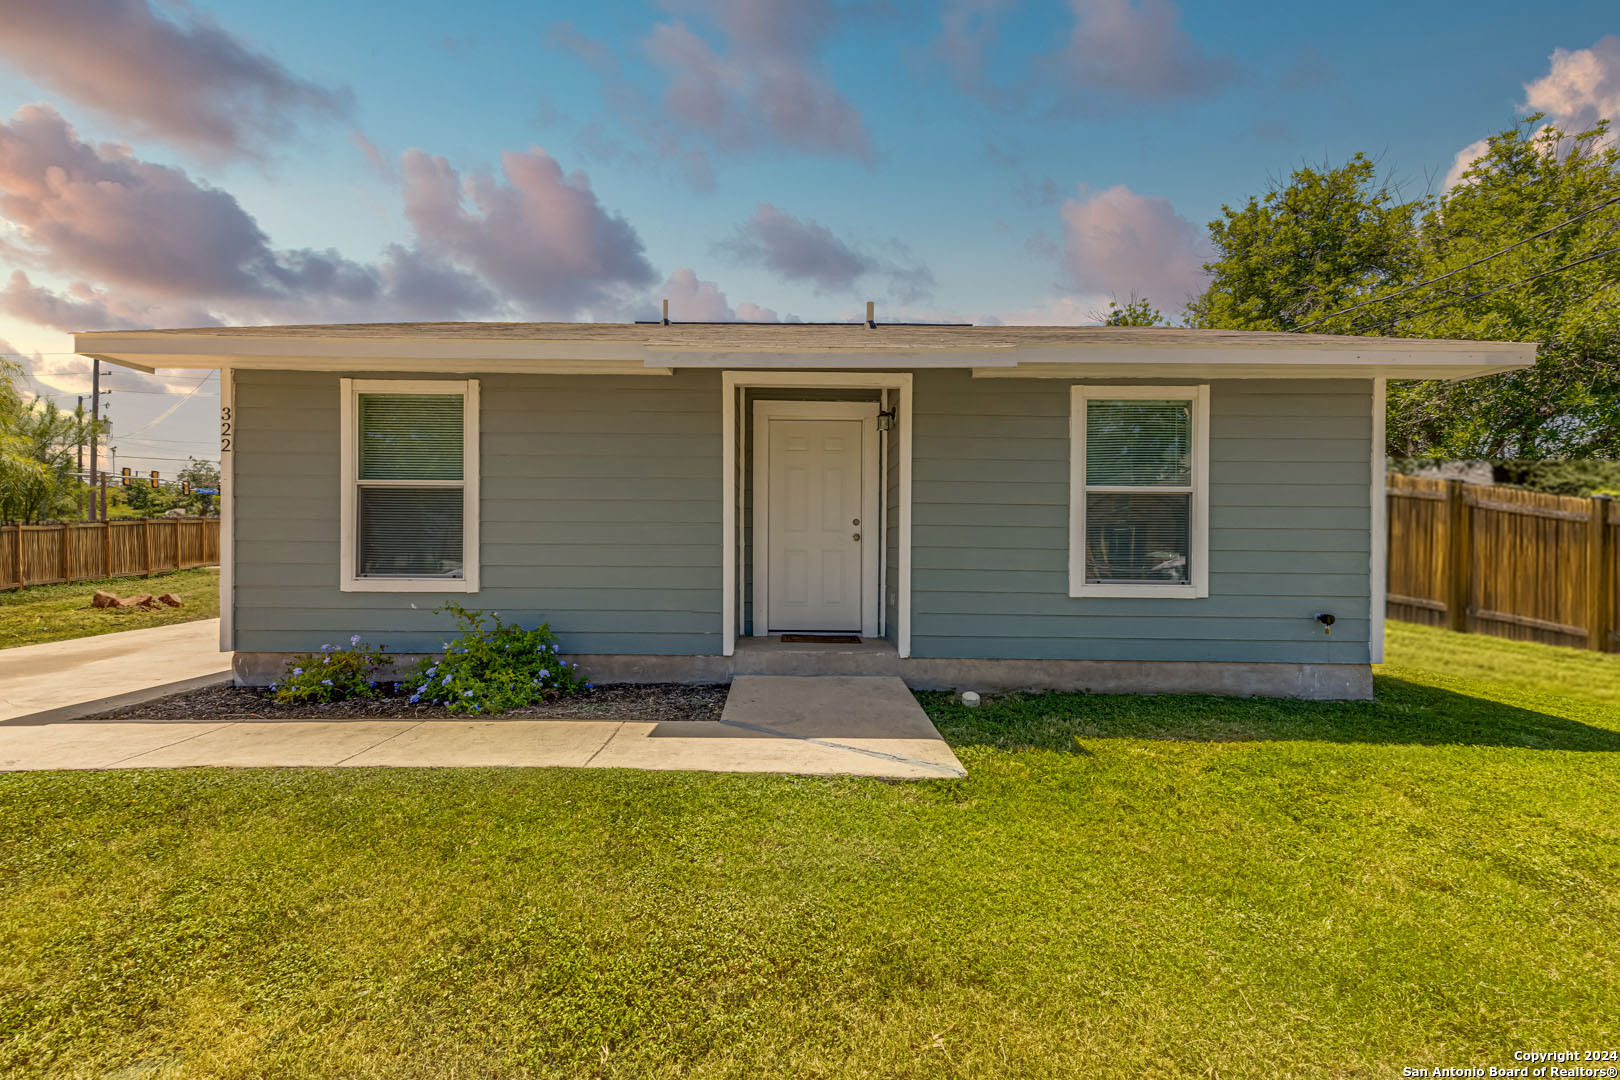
(822, 639)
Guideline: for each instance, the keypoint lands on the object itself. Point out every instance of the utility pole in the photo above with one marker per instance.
(95, 435)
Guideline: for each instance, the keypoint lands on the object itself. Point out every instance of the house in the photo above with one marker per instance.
(966, 506)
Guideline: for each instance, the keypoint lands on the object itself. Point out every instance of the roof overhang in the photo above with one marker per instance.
(997, 353)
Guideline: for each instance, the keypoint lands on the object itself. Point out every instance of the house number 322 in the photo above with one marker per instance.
(225, 430)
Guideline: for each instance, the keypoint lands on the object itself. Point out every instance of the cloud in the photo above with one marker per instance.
(538, 237)
(188, 81)
(967, 31)
(1461, 162)
(805, 251)
(145, 244)
(373, 157)
(1136, 48)
(694, 300)
(736, 76)
(1059, 311)
(1581, 86)
(1119, 243)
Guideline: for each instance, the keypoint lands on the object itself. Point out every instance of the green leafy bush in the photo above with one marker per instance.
(492, 666)
(333, 674)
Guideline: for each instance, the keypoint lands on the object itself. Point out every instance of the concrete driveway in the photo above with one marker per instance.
(861, 726)
(68, 679)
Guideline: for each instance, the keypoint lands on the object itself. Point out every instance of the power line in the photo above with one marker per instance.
(1452, 273)
(1467, 298)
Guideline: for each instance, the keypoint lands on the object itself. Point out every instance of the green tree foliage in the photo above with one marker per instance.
(39, 447)
(1328, 238)
(1530, 180)
(1334, 238)
(1136, 312)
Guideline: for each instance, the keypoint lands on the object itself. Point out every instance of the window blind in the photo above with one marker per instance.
(410, 532)
(410, 436)
(1138, 443)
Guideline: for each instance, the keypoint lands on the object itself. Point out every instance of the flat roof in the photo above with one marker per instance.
(642, 348)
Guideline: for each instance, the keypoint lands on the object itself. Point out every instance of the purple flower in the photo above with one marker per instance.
(545, 674)
(354, 640)
(446, 681)
(298, 671)
(326, 682)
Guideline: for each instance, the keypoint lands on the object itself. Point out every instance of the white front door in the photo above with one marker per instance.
(814, 525)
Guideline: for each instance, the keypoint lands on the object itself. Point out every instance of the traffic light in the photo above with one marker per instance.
(185, 487)
(154, 479)
(123, 481)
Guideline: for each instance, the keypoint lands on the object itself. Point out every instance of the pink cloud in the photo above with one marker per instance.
(539, 237)
(1581, 86)
(186, 80)
(804, 250)
(1137, 47)
(694, 300)
(1119, 243)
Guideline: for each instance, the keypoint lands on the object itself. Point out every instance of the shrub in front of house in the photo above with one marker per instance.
(492, 666)
(333, 674)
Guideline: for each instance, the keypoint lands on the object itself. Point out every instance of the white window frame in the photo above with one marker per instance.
(1197, 585)
(348, 579)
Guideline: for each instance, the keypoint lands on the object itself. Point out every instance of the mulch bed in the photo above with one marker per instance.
(652, 702)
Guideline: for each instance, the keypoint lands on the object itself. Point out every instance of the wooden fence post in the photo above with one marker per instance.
(16, 534)
(176, 543)
(146, 543)
(1598, 586)
(106, 549)
(67, 555)
(1459, 555)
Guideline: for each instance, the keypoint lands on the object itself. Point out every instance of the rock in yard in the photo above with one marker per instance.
(169, 598)
(143, 600)
(103, 599)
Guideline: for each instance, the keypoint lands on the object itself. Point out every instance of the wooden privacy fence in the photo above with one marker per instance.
(73, 551)
(1502, 561)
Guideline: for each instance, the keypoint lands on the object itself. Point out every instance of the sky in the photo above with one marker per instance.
(173, 163)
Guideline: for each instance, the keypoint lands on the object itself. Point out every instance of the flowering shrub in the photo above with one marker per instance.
(492, 666)
(332, 674)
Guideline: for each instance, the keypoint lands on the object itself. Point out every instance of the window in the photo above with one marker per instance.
(1139, 491)
(410, 486)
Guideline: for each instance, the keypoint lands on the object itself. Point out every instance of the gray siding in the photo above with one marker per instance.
(600, 513)
(1289, 532)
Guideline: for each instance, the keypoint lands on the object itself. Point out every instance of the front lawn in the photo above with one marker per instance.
(58, 612)
(1121, 887)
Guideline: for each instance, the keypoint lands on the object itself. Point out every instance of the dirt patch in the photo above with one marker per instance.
(652, 702)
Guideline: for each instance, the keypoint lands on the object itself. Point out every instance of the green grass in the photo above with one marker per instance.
(58, 612)
(1122, 887)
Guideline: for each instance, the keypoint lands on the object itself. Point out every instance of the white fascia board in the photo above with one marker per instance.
(425, 354)
(874, 359)
(1270, 364)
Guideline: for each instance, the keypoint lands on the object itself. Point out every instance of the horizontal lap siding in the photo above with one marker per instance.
(600, 514)
(1290, 472)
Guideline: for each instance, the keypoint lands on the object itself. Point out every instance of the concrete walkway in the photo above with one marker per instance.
(818, 726)
(62, 680)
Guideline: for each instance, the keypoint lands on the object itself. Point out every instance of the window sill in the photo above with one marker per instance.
(1157, 592)
(408, 585)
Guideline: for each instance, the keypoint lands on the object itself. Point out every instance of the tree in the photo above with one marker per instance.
(1531, 179)
(1136, 312)
(1335, 238)
(201, 474)
(1330, 237)
(39, 474)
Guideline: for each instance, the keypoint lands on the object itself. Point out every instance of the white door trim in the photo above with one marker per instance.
(730, 383)
(866, 413)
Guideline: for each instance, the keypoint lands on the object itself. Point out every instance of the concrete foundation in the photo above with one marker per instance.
(770, 656)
